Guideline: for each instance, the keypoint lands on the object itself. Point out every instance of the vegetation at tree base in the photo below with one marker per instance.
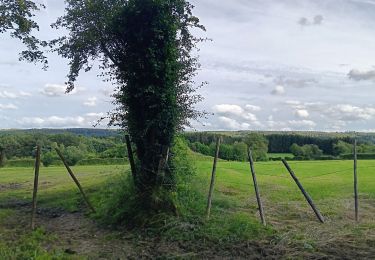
(120, 201)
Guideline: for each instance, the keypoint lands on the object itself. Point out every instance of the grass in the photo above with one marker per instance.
(280, 155)
(293, 228)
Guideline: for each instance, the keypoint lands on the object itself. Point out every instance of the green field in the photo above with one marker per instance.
(292, 232)
(280, 155)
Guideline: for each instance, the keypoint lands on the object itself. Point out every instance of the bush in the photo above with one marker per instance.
(119, 202)
(20, 163)
(326, 158)
(49, 158)
(360, 156)
(101, 161)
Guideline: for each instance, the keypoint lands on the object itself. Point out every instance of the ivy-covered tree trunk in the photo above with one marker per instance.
(145, 47)
(149, 94)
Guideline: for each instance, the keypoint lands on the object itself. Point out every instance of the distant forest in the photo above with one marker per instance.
(303, 145)
(79, 146)
(90, 146)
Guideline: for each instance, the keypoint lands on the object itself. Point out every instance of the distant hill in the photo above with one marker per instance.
(95, 132)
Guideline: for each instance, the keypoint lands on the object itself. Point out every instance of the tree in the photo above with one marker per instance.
(239, 151)
(296, 150)
(308, 151)
(258, 145)
(342, 147)
(145, 47)
(16, 17)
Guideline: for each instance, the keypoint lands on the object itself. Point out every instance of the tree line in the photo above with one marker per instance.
(21, 145)
(302, 146)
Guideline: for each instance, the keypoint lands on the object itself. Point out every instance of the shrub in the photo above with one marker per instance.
(20, 163)
(101, 161)
(119, 202)
(360, 156)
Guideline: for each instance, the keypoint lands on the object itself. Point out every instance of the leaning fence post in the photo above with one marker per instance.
(130, 156)
(212, 184)
(355, 181)
(75, 180)
(307, 197)
(35, 190)
(260, 206)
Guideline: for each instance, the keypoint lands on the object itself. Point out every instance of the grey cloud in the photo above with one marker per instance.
(316, 20)
(358, 75)
(295, 82)
(303, 21)
(278, 90)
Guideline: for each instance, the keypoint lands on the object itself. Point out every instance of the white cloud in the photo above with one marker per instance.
(229, 109)
(53, 121)
(346, 112)
(91, 102)
(95, 115)
(302, 113)
(13, 95)
(232, 124)
(278, 90)
(237, 112)
(253, 108)
(302, 124)
(57, 90)
(8, 107)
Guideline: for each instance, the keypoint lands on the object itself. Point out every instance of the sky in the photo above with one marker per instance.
(271, 65)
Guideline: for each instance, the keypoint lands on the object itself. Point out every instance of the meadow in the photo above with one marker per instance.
(68, 231)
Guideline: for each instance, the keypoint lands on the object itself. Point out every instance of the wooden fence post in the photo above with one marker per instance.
(212, 184)
(355, 181)
(75, 180)
(163, 159)
(307, 197)
(35, 190)
(131, 158)
(260, 206)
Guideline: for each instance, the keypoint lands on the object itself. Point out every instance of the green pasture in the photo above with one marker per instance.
(234, 214)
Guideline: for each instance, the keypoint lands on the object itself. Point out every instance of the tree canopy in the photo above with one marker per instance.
(16, 18)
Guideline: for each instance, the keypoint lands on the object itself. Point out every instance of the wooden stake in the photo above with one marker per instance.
(355, 182)
(260, 206)
(75, 180)
(212, 184)
(307, 197)
(131, 158)
(163, 159)
(35, 190)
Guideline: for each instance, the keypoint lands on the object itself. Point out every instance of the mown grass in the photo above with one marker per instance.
(234, 216)
(280, 155)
